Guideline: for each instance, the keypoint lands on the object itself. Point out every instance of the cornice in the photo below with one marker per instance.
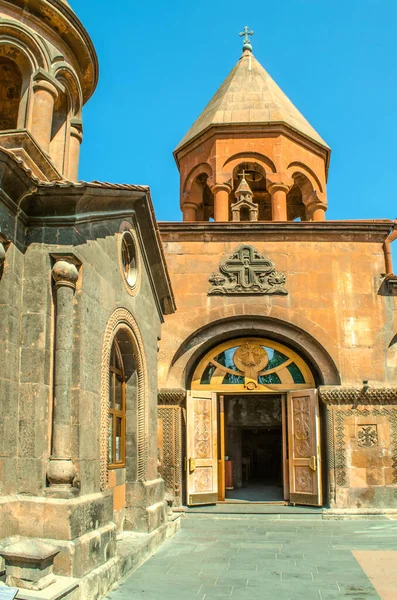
(358, 396)
(171, 396)
(360, 230)
(221, 130)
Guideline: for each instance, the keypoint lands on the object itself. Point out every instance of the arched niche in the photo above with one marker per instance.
(255, 175)
(15, 77)
(252, 364)
(10, 93)
(191, 351)
(123, 328)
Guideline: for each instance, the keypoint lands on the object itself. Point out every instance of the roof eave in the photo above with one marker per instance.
(275, 126)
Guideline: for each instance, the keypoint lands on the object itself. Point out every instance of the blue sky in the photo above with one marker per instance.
(161, 62)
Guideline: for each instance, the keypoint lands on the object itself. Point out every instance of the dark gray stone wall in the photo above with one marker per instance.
(27, 336)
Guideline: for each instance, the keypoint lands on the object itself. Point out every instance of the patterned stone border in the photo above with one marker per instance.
(123, 319)
(340, 449)
(358, 396)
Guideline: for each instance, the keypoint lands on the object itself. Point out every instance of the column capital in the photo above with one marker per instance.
(221, 187)
(191, 205)
(65, 271)
(76, 129)
(276, 182)
(313, 202)
(44, 81)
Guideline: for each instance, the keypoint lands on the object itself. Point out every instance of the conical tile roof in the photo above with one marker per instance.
(250, 96)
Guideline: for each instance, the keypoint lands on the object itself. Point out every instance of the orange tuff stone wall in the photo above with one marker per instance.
(334, 294)
(337, 298)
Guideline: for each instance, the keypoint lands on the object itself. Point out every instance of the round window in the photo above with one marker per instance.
(129, 259)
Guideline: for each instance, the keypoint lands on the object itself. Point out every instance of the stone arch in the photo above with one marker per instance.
(267, 163)
(68, 78)
(300, 168)
(17, 36)
(18, 62)
(123, 321)
(194, 173)
(198, 192)
(212, 334)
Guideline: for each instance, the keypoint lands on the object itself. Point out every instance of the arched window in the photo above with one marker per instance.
(10, 93)
(252, 364)
(117, 408)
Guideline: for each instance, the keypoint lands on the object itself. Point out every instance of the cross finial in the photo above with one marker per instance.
(247, 42)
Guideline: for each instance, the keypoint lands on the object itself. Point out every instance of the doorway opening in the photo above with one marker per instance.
(254, 460)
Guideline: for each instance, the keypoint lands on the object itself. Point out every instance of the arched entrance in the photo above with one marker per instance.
(253, 427)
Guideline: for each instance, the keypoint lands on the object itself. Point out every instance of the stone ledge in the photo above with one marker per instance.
(132, 550)
(63, 587)
(360, 513)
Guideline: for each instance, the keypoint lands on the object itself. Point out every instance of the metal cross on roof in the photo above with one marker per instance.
(247, 42)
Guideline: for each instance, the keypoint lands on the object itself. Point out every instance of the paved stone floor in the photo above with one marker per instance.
(256, 558)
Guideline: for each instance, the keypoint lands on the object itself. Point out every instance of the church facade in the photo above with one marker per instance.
(245, 353)
(278, 372)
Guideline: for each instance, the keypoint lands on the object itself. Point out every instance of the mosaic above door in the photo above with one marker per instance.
(252, 364)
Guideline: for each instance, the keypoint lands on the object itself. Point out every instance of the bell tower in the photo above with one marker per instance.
(48, 70)
(251, 144)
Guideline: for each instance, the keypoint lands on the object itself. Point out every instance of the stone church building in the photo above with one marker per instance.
(247, 352)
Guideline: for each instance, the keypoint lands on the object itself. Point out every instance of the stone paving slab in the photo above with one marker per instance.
(212, 559)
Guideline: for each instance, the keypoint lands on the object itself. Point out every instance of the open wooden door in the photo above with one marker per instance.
(201, 448)
(304, 448)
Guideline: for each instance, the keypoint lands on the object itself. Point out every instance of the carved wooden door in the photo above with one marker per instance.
(201, 448)
(304, 448)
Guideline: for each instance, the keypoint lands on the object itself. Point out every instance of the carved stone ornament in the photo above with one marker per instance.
(247, 272)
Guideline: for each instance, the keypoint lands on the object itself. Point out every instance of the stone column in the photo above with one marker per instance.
(189, 210)
(61, 469)
(45, 95)
(318, 214)
(76, 137)
(315, 207)
(278, 185)
(221, 193)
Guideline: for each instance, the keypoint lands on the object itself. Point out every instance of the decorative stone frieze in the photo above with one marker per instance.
(247, 272)
(171, 396)
(358, 395)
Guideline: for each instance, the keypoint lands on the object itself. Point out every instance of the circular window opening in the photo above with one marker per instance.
(129, 259)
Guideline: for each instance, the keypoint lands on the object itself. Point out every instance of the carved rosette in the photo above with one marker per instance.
(247, 271)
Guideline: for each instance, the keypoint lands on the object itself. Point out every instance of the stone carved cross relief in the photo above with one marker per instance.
(247, 272)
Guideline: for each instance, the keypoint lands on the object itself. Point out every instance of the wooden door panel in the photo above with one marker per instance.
(202, 448)
(304, 448)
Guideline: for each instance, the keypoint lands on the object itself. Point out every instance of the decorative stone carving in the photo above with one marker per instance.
(340, 438)
(247, 272)
(171, 396)
(244, 202)
(367, 436)
(65, 273)
(358, 396)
